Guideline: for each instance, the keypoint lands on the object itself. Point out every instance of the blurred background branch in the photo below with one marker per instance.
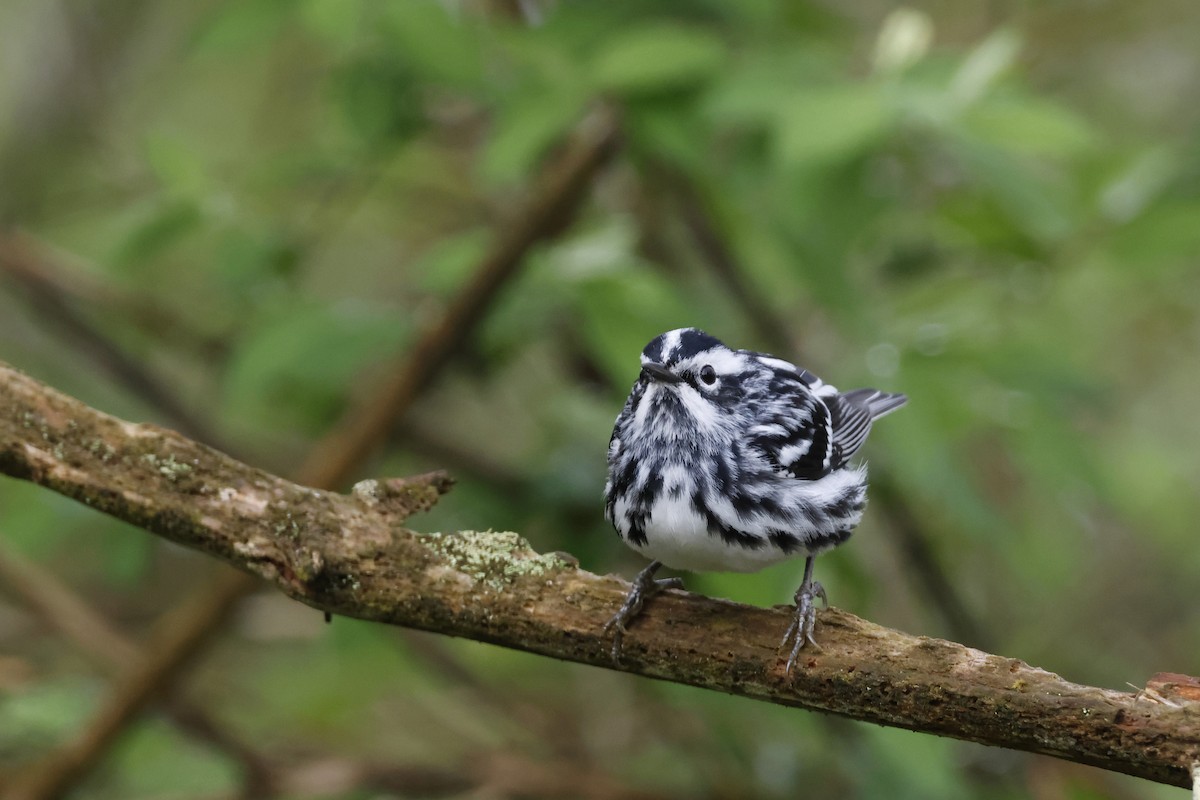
(46, 289)
(68, 614)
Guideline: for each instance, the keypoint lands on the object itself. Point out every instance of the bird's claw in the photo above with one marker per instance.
(645, 586)
(804, 622)
(617, 626)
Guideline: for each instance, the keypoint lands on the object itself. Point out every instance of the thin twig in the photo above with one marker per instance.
(348, 554)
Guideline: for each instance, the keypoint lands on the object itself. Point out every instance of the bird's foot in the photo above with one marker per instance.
(645, 586)
(805, 622)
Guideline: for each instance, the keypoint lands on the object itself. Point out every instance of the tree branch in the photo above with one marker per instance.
(350, 555)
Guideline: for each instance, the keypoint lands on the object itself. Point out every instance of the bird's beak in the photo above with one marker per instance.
(658, 372)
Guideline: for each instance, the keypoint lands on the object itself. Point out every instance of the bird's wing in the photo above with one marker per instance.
(851, 415)
(793, 428)
(806, 427)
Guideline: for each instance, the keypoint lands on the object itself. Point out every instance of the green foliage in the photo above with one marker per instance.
(982, 215)
(378, 96)
(292, 367)
(823, 125)
(43, 714)
(657, 59)
(155, 760)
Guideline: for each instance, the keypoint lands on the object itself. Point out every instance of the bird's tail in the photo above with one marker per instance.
(877, 403)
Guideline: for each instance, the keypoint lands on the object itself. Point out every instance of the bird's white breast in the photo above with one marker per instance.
(678, 537)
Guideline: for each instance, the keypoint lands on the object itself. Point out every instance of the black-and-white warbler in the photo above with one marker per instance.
(730, 461)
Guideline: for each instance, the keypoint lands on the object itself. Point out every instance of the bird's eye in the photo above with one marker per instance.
(708, 375)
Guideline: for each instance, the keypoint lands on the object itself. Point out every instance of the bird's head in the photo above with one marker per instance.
(693, 367)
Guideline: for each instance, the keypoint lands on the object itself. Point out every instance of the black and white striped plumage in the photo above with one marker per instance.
(732, 460)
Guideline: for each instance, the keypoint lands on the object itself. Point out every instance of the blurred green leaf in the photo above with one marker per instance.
(177, 166)
(1038, 204)
(621, 312)
(909, 765)
(340, 23)
(35, 522)
(379, 98)
(984, 66)
(248, 262)
(1139, 181)
(440, 44)
(242, 25)
(823, 124)
(38, 717)
(658, 58)
(747, 100)
(667, 134)
(292, 369)
(1031, 125)
(153, 760)
(448, 265)
(1164, 241)
(163, 227)
(753, 89)
(525, 128)
(125, 554)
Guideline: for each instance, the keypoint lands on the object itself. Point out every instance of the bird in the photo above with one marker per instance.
(730, 460)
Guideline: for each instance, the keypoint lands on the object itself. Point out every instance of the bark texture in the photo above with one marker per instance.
(351, 555)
